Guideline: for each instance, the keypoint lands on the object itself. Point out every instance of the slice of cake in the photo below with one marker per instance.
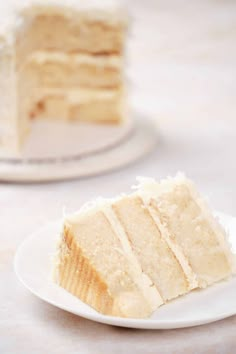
(60, 60)
(128, 256)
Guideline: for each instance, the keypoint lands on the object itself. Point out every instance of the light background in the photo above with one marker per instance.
(183, 59)
(182, 65)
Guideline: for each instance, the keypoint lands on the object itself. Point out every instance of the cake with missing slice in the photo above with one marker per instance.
(60, 60)
(129, 255)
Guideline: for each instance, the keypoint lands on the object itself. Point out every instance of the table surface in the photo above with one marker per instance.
(183, 66)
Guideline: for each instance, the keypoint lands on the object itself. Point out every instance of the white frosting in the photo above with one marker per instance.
(149, 188)
(42, 57)
(82, 95)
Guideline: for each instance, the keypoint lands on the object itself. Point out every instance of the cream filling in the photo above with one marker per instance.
(146, 286)
(80, 95)
(109, 61)
(175, 248)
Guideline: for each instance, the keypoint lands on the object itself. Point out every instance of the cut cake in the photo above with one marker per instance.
(60, 59)
(128, 256)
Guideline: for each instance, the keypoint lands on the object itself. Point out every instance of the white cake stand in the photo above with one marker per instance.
(56, 151)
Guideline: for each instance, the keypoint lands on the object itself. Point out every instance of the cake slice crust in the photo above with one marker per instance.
(77, 275)
(87, 267)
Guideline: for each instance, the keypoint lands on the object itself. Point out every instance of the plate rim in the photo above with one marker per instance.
(146, 323)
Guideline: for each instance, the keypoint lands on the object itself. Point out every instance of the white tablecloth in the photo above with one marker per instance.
(183, 66)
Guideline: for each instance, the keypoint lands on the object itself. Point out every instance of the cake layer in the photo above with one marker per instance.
(150, 248)
(61, 70)
(173, 245)
(83, 255)
(192, 227)
(143, 281)
(70, 34)
(98, 106)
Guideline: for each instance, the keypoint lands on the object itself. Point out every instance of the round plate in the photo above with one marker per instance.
(33, 265)
(79, 151)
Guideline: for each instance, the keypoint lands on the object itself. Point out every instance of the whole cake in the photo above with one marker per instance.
(60, 59)
(128, 256)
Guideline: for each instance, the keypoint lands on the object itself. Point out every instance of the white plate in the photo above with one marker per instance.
(33, 268)
(78, 150)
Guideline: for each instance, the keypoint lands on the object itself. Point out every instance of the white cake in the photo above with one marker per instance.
(60, 60)
(128, 256)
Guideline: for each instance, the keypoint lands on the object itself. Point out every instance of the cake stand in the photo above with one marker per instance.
(60, 150)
